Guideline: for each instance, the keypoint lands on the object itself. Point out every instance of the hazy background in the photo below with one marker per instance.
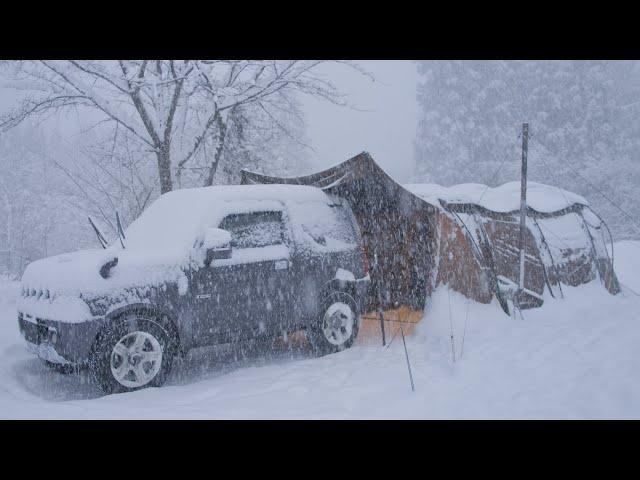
(444, 122)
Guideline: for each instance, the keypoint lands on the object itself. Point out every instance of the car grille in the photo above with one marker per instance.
(34, 329)
(39, 294)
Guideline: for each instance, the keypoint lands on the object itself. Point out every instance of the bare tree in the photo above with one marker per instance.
(175, 109)
(105, 175)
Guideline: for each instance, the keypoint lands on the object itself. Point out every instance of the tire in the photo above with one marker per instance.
(327, 335)
(133, 353)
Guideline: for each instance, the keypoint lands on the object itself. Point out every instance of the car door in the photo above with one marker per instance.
(247, 294)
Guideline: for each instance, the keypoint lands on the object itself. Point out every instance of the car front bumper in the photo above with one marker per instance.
(58, 342)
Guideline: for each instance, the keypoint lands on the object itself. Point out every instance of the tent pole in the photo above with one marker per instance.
(378, 278)
(380, 313)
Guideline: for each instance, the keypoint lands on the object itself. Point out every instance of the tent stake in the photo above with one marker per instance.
(406, 354)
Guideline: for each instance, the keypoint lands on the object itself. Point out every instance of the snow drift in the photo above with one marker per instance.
(575, 359)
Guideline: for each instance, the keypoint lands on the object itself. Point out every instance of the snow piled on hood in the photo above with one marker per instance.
(51, 287)
(504, 198)
(79, 272)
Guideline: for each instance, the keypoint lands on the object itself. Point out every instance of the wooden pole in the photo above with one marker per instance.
(380, 311)
(523, 200)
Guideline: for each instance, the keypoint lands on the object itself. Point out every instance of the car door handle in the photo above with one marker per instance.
(282, 264)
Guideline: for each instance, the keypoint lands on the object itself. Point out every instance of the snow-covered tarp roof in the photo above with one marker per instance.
(504, 198)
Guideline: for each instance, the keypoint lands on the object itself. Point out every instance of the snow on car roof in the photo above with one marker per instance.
(175, 219)
(280, 192)
(504, 198)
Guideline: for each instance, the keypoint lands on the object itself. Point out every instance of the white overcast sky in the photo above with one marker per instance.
(384, 124)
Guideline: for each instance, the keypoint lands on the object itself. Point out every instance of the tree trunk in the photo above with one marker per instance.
(164, 169)
(218, 155)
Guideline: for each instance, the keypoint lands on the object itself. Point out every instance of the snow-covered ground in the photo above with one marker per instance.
(574, 358)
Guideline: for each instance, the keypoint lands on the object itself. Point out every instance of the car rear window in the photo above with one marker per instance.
(331, 226)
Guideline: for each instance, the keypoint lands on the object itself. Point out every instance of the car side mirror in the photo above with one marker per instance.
(217, 245)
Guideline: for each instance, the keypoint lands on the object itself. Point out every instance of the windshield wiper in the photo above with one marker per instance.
(101, 238)
(120, 230)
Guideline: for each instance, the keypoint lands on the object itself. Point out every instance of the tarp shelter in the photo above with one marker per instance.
(420, 236)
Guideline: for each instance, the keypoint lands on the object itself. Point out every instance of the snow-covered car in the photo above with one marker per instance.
(199, 267)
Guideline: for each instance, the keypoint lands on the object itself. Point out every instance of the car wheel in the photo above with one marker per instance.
(337, 327)
(132, 354)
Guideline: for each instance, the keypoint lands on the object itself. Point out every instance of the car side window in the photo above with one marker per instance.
(255, 229)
